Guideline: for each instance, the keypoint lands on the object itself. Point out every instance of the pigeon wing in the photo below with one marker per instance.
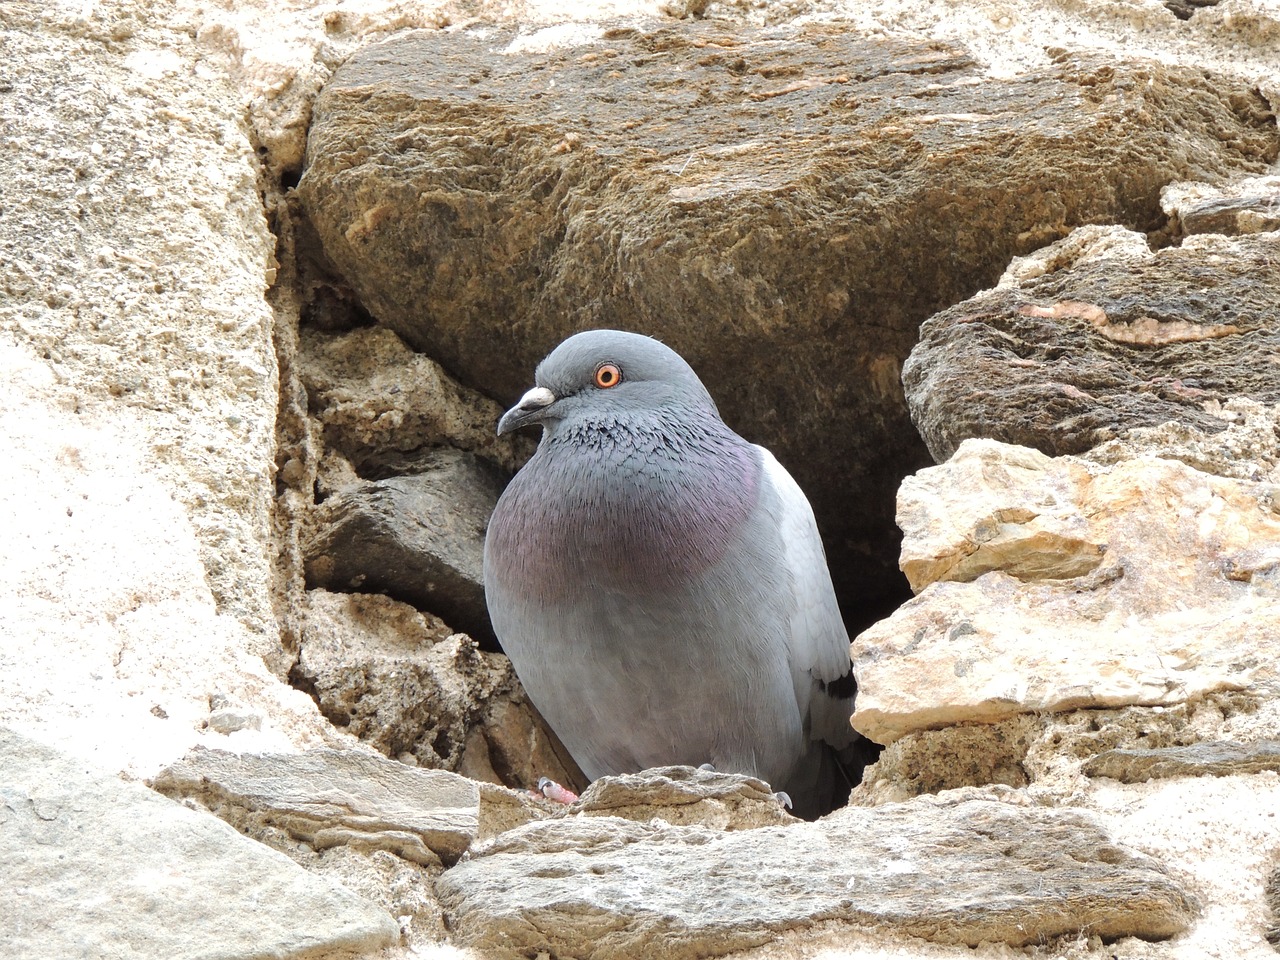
(818, 643)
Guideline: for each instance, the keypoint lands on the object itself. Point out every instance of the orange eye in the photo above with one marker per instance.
(608, 375)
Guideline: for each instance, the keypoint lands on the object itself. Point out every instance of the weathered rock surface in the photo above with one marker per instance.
(968, 755)
(137, 394)
(674, 795)
(1096, 335)
(378, 401)
(140, 147)
(418, 538)
(328, 798)
(689, 795)
(409, 687)
(134, 255)
(1043, 751)
(966, 873)
(738, 193)
(95, 866)
(1054, 584)
(1248, 448)
(1216, 759)
(111, 641)
(1250, 205)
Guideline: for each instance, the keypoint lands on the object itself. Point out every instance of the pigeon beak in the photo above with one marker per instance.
(528, 410)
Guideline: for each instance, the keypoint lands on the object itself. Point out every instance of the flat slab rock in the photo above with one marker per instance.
(1097, 335)
(329, 798)
(1055, 584)
(793, 200)
(94, 866)
(1220, 758)
(963, 873)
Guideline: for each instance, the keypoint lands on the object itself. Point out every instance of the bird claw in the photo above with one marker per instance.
(551, 790)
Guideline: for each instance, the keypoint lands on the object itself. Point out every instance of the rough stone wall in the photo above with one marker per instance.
(136, 257)
(159, 459)
(140, 386)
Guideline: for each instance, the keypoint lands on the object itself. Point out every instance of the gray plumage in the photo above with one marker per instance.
(659, 582)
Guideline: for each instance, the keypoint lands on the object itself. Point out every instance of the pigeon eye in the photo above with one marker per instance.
(608, 375)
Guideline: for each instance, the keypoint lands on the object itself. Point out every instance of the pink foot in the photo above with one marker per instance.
(553, 791)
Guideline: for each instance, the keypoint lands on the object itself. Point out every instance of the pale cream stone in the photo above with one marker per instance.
(1055, 584)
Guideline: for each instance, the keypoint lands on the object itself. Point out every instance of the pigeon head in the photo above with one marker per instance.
(609, 375)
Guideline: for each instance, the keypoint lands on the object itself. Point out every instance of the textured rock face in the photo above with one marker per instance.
(1096, 335)
(378, 402)
(1217, 759)
(1055, 584)
(133, 261)
(683, 795)
(137, 396)
(738, 194)
(418, 538)
(146, 306)
(408, 686)
(611, 888)
(1222, 734)
(1251, 205)
(91, 861)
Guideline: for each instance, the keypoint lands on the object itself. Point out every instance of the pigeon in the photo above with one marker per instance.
(659, 582)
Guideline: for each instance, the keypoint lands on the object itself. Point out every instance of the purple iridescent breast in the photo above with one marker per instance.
(630, 509)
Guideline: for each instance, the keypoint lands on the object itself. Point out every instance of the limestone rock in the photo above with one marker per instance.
(1181, 597)
(226, 716)
(976, 871)
(1217, 759)
(1247, 448)
(113, 645)
(1250, 205)
(1096, 335)
(963, 755)
(1045, 752)
(404, 889)
(503, 808)
(1009, 512)
(709, 798)
(418, 538)
(513, 745)
(138, 389)
(329, 798)
(91, 861)
(406, 685)
(134, 254)
(377, 400)
(737, 193)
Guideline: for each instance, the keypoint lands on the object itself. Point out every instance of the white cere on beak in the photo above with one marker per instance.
(536, 398)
